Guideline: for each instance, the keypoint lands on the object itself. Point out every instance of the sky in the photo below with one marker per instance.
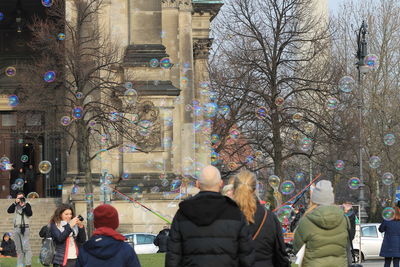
(334, 4)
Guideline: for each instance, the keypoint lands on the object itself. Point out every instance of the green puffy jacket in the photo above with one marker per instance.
(324, 231)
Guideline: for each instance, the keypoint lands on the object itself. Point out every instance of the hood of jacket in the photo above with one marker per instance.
(205, 208)
(326, 217)
(103, 247)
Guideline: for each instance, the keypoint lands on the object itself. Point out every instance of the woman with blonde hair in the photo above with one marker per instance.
(265, 229)
(323, 230)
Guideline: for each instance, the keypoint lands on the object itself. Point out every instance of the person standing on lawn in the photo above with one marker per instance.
(209, 229)
(391, 242)
(22, 211)
(107, 247)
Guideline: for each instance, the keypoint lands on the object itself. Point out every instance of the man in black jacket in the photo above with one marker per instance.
(162, 239)
(22, 211)
(209, 229)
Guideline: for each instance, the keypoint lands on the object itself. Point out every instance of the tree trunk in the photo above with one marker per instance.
(84, 167)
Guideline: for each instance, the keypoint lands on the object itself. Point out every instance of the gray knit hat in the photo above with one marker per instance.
(323, 193)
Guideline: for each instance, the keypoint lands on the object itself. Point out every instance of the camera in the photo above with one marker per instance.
(22, 199)
(80, 218)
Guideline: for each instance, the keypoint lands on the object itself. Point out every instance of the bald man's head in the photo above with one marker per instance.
(210, 179)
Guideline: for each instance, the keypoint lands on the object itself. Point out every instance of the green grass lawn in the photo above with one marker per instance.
(146, 260)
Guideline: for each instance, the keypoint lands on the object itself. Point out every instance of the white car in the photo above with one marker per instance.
(371, 241)
(142, 242)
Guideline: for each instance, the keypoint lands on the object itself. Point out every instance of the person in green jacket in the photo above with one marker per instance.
(323, 229)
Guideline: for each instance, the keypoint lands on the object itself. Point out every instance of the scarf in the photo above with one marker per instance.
(106, 231)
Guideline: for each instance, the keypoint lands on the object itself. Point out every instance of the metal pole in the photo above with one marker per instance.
(361, 54)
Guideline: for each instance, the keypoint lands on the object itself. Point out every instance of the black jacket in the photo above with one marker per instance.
(162, 240)
(8, 248)
(209, 230)
(27, 209)
(269, 241)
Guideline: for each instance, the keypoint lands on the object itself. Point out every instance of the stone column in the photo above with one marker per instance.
(201, 49)
(145, 22)
(169, 37)
(186, 84)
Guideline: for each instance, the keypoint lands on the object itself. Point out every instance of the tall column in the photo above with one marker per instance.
(201, 49)
(169, 37)
(145, 21)
(186, 78)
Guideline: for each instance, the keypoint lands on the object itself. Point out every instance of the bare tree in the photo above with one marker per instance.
(78, 71)
(272, 68)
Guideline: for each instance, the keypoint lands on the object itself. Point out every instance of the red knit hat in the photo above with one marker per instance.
(106, 216)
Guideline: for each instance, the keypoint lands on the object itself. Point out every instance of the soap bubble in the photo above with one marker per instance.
(346, 84)
(224, 110)
(274, 181)
(49, 76)
(387, 178)
(65, 120)
(374, 162)
(299, 176)
(19, 182)
(284, 214)
(215, 138)
(13, 100)
(261, 113)
(14, 187)
(165, 63)
(234, 133)
(1, 16)
(309, 127)
(297, 117)
(131, 96)
(164, 182)
(372, 61)
(75, 189)
(279, 101)
(11, 71)
(79, 95)
(154, 63)
(61, 36)
(47, 3)
(339, 165)
(210, 109)
(145, 127)
(388, 213)
(389, 139)
(332, 103)
(287, 187)
(175, 184)
(214, 158)
(354, 183)
(306, 144)
(44, 167)
(24, 158)
(77, 112)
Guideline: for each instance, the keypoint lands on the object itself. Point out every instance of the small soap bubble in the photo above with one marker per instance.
(389, 139)
(388, 213)
(274, 181)
(44, 167)
(287, 187)
(354, 183)
(346, 84)
(387, 178)
(339, 165)
(49, 76)
(374, 162)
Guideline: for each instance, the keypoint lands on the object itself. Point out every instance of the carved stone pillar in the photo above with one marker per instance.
(201, 49)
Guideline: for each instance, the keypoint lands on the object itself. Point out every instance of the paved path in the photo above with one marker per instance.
(373, 263)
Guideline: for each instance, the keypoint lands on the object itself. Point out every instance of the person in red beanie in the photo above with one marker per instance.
(106, 247)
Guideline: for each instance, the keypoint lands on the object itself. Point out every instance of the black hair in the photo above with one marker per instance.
(7, 235)
(20, 193)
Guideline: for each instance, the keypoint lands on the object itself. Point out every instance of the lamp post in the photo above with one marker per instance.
(362, 69)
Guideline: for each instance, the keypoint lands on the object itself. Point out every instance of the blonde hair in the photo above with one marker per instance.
(226, 189)
(244, 194)
(311, 207)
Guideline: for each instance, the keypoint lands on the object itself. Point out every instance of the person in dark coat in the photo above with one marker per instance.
(106, 248)
(270, 249)
(7, 248)
(162, 239)
(68, 233)
(30, 180)
(209, 229)
(391, 242)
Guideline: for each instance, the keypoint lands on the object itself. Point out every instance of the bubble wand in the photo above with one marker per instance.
(301, 192)
(137, 202)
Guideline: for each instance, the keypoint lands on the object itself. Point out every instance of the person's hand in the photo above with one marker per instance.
(347, 207)
(80, 224)
(73, 222)
(1, 249)
(17, 200)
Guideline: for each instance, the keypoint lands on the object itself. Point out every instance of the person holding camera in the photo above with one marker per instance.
(68, 233)
(22, 211)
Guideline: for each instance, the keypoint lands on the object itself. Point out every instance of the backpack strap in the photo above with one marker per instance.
(261, 225)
